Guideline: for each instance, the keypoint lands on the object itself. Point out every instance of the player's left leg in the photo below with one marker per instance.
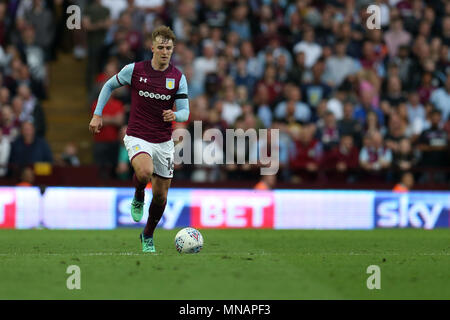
(160, 188)
(163, 156)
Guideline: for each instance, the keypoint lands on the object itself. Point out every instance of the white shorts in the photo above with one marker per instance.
(162, 154)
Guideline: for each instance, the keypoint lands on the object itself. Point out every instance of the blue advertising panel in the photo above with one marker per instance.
(427, 210)
(176, 214)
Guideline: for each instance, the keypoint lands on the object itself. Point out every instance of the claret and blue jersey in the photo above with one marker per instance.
(152, 91)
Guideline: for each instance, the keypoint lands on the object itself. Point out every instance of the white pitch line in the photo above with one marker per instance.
(218, 254)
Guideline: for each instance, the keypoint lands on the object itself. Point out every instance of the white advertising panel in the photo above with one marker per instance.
(79, 208)
(323, 209)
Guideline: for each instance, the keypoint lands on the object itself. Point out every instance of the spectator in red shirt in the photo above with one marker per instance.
(426, 87)
(343, 159)
(106, 144)
(329, 134)
(307, 156)
(270, 81)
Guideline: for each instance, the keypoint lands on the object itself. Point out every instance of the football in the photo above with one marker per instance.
(188, 240)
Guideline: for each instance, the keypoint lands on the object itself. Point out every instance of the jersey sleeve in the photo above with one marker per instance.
(124, 76)
(181, 101)
(120, 79)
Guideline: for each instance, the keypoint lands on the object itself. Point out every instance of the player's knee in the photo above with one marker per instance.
(159, 198)
(144, 175)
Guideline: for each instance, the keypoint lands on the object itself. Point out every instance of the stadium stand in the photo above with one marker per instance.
(356, 108)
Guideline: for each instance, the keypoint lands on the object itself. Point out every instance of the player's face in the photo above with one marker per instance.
(162, 50)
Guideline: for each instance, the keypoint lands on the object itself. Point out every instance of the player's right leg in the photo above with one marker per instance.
(143, 169)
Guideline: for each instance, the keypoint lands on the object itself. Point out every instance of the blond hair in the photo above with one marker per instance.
(164, 32)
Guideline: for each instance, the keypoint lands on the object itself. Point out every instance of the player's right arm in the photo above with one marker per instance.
(120, 79)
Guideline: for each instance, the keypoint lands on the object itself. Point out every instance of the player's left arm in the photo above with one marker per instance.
(181, 103)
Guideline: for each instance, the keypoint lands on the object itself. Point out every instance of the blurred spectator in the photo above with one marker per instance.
(396, 132)
(339, 66)
(96, 21)
(394, 93)
(204, 64)
(329, 134)
(404, 158)
(446, 30)
(379, 45)
(106, 144)
(213, 13)
(292, 106)
(348, 125)
(406, 183)
(316, 90)
(69, 156)
(5, 148)
(9, 124)
(441, 98)
(308, 152)
(17, 107)
(342, 158)
(32, 110)
(261, 101)
(373, 124)
(446, 127)
(369, 59)
(241, 95)
(433, 144)
(426, 87)
(295, 75)
(267, 151)
(368, 82)
(182, 22)
(336, 103)
(124, 53)
(374, 156)
(253, 66)
(34, 55)
(26, 177)
(361, 110)
(29, 148)
(239, 22)
(396, 36)
(41, 19)
(416, 112)
(312, 50)
(404, 64)
(242, 77)
(3, 23)
(270, 81)
(320, 112)
(267, 182)
(230, 108)
(4, 96)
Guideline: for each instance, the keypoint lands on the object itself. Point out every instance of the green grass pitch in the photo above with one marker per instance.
(234, 264)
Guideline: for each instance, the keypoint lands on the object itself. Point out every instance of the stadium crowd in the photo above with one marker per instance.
(27, 45)
(351, 103)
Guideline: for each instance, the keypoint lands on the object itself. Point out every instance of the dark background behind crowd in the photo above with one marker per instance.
(351, 104)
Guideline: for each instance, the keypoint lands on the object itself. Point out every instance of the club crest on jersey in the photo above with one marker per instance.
(136, 147)
(170, 83)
